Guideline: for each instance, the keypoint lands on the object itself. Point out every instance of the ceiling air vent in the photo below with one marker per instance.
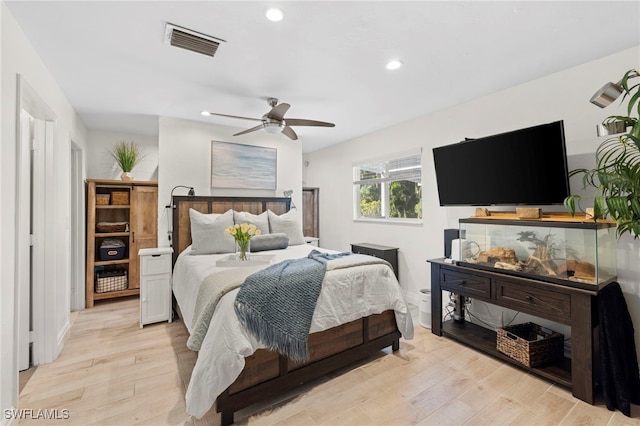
(191, 40)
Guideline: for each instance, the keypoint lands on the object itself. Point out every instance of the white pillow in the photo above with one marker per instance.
(207, 232)
(287, 223)
(261, 221)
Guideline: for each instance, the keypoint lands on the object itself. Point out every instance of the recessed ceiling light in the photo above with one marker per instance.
(205, 113)
(274, 14)
(393, 64)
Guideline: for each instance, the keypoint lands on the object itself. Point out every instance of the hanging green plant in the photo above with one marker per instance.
(127, 155)
(616, 176)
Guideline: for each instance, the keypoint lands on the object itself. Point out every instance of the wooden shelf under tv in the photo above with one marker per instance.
(546, 217)
(485, 340)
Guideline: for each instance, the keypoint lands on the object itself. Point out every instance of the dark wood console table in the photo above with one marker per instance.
(563, 304)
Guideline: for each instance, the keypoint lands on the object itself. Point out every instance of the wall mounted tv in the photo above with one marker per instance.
(526, 166)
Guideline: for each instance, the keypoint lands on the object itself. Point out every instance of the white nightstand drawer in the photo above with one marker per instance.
(156, 264)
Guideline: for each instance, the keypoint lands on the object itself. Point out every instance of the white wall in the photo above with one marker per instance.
(185, 159)
(19, 57)
(100, 164)
(7, 398)
(561, 96)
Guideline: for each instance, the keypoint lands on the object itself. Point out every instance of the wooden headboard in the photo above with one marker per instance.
(181, 237)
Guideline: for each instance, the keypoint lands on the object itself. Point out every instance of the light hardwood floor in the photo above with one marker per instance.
(111, 372)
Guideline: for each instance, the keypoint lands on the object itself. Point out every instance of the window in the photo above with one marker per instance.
(389, 189)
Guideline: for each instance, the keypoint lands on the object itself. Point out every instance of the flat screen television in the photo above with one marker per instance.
(521, 167)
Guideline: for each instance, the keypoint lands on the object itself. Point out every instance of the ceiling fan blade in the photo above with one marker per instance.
(278, 111)
(253, 129)
(288, 131)
(234, 116)
(303, 122)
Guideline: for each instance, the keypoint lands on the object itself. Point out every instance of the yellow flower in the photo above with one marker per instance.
(258, 232)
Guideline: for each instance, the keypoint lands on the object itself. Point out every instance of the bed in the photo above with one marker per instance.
(233, 368)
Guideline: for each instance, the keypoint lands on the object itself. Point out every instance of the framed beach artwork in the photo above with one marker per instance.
(242, 166)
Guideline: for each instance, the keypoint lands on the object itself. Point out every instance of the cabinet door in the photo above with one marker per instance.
(144, 226)
(155, 298)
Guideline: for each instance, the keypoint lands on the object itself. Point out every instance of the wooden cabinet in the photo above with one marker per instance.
(559, 303)
(390, 254)
(122, 211)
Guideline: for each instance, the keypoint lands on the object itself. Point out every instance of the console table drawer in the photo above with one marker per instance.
(466, 284)
(534, 300)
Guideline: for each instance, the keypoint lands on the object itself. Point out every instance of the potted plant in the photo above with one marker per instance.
(127, 155)
(616, 176)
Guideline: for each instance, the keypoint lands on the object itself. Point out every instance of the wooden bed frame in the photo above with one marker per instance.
(266, 373)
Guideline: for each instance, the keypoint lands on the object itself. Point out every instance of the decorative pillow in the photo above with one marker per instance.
(264, 242)
(289, 224)
(261, 221)
(207, 232)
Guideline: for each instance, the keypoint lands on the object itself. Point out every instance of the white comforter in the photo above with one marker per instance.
(347, 294)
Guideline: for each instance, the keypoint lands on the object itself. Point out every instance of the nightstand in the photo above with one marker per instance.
(390, 254)
(314, 241)
(155, 285)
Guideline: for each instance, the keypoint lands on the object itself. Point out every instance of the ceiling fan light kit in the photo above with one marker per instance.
(274, 122)
(273, 127)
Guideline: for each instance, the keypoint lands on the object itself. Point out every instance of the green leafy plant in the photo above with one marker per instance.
(616, 176)
(127, 155)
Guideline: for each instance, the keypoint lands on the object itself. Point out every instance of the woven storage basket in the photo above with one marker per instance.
(112, 226)
(114, 280)
(530, 344)
(102, 199)
(120, 198)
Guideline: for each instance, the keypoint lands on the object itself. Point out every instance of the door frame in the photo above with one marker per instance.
(44, 336)
(77, 226)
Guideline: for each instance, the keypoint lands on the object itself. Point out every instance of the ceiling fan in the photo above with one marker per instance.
(274, 122)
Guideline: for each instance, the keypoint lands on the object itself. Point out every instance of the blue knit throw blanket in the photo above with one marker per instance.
(276, 304)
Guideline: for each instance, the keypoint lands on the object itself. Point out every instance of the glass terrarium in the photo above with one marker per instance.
(581, 254)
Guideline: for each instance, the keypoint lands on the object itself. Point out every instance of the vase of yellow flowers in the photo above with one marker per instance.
(242, 233)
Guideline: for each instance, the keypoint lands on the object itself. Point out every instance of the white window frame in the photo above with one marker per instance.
(384, 163)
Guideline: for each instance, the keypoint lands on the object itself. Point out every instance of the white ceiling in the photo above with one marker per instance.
(325, 58)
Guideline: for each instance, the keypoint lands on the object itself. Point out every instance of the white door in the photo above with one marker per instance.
(23, 255)
(30, 229)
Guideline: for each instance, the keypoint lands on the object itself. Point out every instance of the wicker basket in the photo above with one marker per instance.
(530, 344)
(120, 198)
(113, 280)
(112, 227)
(102, 199)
